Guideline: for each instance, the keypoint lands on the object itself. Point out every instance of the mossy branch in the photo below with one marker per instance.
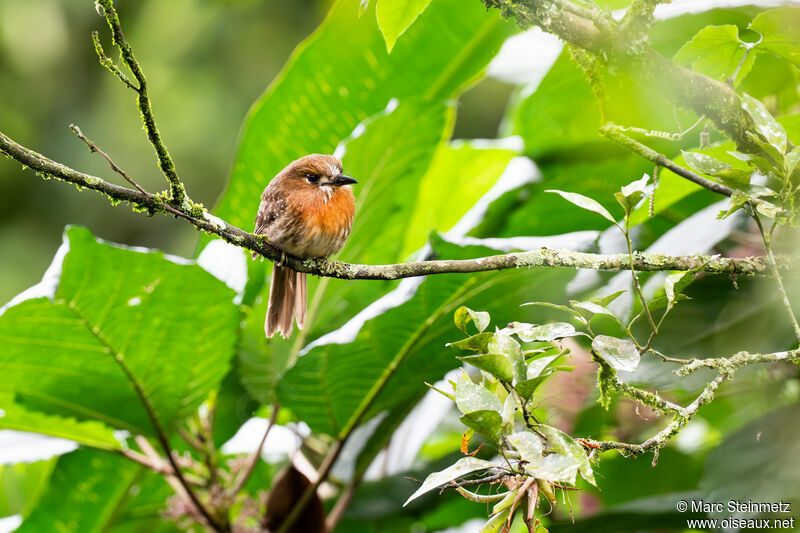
(726, 367)
(106, 8)
(625, 45)
(543, 257)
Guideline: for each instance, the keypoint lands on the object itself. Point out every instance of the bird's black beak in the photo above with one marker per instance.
(341, 179)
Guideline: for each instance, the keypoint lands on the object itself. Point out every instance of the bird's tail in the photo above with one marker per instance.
(287, 300)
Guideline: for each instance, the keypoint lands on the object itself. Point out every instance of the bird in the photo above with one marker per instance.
(306, 211)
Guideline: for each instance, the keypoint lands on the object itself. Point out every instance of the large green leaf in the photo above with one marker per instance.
(758, 462)
(90, 432)
(119, 317)
(21, 484)
(460, 174)
(716, 51)
(86, 490)
(780, 31)
(395, 17)
(394, 353)
(343, 74)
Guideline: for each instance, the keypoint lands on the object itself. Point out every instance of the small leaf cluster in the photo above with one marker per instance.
(510, 365)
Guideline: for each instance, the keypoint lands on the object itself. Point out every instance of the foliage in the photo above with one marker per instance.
(151, 363)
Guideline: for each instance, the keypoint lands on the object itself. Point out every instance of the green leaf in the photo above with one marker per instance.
(791, 161)
(766, 124)
(464, 314)
(460, 174)
(487, 422)
(471, 397)
(395, 17)
(590, 309)
(734, 177)
(632, 193)
(536, 373)
(605, 300)
(528, 387)
(528, 444)
(504, 344)
(716, 51)
(85, 491)
(21, 484)
(395, 352)
(544, 333)
(555, 467)
(780, 32)
(704, 164)
(90, 433)
(538, 366)
(565, 445)
(585, 203)
(497, 365)
(496, 522)
(120, 319)
(463, 467)
(476, 343)
(766, 467)
(774, 155)
(621, 354)
(674, 284)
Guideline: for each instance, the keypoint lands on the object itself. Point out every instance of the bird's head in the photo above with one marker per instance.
(317, 170)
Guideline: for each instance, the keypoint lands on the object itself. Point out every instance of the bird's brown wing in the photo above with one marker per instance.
(282, 226)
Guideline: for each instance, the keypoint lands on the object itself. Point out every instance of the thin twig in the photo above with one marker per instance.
(342, 503)
(776, 273)
(161, 436)
(615, 134)
(95, 149)
(252, 461)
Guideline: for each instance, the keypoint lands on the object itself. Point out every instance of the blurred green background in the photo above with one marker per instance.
(206, 62)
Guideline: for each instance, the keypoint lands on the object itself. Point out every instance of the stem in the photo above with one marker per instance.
(637, 287)
(615, 133)
(342, 503)
(776, 273)
(305, 499)
(253, 459)
(161, 436)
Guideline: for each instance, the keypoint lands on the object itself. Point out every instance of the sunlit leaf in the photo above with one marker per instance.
(546, 332)
(486, 422)
(620, 354)
(394, 18)
(565, 445)
(585, 203)
(780, 32)
(475, 343)
(497, 365)
(85, 490)
(462, 467)
(471, 397)
(121, 320)
(631, 194)
(716, 51)
(704, 164)
(464, 314)
(675, 283)
(766, 124)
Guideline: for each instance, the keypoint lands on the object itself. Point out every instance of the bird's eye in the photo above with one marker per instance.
(312, 178)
